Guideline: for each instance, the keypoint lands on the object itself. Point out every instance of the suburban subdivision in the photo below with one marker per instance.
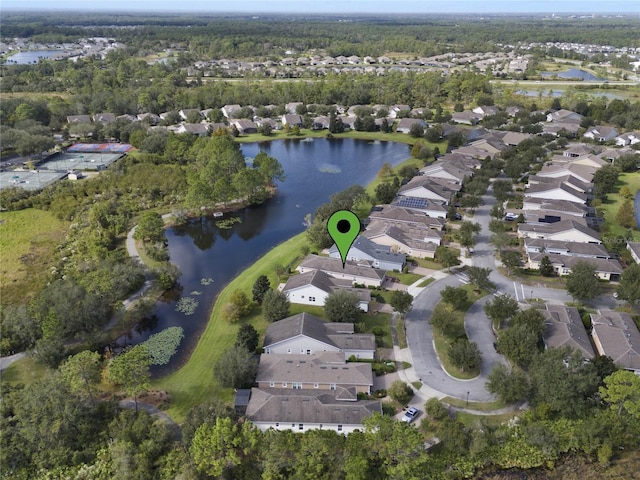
(173, 306)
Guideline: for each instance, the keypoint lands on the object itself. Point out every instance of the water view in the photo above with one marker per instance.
(209, 257)
(573, 73)
(34, 56)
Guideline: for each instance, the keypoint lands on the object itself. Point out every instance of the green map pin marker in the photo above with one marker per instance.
(344, 227)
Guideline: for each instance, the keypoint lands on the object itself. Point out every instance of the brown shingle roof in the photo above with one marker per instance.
(618, 336)
(564, 327)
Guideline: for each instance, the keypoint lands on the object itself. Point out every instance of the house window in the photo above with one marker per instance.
(312, 299)
(315, 385)
(288, 350)
(277, 424)
(339, 428)
(284, 384)
(301, 426)
(332, 386)
(308, 352)
(272, 384)
(301, 296)
(297, 385)
(268, 350)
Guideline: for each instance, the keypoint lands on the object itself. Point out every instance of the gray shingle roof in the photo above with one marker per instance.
(564, 327)
(393, 214)
(619, 337)
(328, 264)
(576, 248)
(309, 407)
(299, 324)
(378, 252)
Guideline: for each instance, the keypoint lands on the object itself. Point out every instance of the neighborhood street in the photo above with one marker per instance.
(426, 364)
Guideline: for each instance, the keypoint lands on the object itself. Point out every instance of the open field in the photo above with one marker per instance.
(614, 200)
(25, 372)
(27, 241)
(194, 383)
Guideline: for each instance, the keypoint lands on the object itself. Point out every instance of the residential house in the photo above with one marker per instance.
(405, 124)
(564, 327)
(78, 119)
(634, 248)
(466, 118)
(485, 111)
(558, 190)
(582, 172)
(301, 410)
(629, 138)
(321, 123)
(396, 111)
(561, 129)
(606, 268)
(185, 112)
(293, 120)
(577, 150)
(554, 207)
(292, 107)
(360, 275)
(565, 116)
(307, 334)
(127, 117)
(313, 288)
(571, 249)
(150, 118)
(430, 188)
(197, 129)
(424, 206)
(513, 139)
(229, 110)
(397, 215)
(104, 118)
(244, 126)
(616, 335)
(566, 230)
(322, 371)
(364, 250)
(448, 170)
(403, 238)
(601, 133)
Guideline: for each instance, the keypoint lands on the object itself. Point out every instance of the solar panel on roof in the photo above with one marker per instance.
(412, 202)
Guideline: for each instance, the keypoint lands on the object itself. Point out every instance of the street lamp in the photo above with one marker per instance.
(467, 398)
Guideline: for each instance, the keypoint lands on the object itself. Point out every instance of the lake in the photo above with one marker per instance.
(34, 56)
(573, 73)
(210, 257)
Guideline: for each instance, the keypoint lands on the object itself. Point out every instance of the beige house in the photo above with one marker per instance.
(402, 238)
(606, 268)
(313, 288)
(564, 327)
(616, 335)
(566, 230)
(352, 271)
(323, 371)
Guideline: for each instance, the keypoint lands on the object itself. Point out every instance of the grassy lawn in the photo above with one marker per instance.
(194, 383)
(480, 406)
(494, 420)
(402, 337)
(28, 239)
(443, 343)
(614, 200)
(426, 282)
(428, 263)
(25, 371)
(405, 278)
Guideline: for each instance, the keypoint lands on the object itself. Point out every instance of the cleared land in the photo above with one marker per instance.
(27, 241)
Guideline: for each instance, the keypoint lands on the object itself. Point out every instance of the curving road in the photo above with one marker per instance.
(477, 325)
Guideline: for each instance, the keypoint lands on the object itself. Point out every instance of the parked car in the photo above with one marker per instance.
(410, 415)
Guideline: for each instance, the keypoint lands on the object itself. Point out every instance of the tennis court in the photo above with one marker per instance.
(64, 162)
(29, 179)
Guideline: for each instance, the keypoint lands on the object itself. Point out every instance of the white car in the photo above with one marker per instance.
(410, 415)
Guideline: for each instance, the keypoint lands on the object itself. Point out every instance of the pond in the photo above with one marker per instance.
(34, 56)
(573, 73)
(210, 257)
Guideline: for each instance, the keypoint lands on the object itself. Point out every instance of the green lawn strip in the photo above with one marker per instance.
(194, 383)
(426, 282)
(405, 278)
(443, 343)
(28, 239)
(25, 372)
(428, 263)
(614, 200)
(480, 406)
(494, 420)
(402, 336)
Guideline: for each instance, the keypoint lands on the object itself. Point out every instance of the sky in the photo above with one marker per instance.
(336, 6)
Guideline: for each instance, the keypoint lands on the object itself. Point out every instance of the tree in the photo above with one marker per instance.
(416, 130)
(275, 306)
(342, 306)
(130, 371)
(497, 212)
(519, 343)
(150, 228)
(582, 282)
(502, 189)
(401, 301)
(468, 232)
(270, 169)
(81, 372)
(247, 337)
(260, 287)
(446, 322)
(465, 354)
(238, 307)
(629, 287)
(400, 392)
(604, 181)
(480, 276)
(447, 257)
(436, 409)
(511, 260)
(500, 240)
(454, 296)
(385, 192)
(163, 345)
(621, 391)
(204, 413)
(546, 267)
(227, 449)
(509, 385)
(236, 368)
(625, 215)
(501, 308)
